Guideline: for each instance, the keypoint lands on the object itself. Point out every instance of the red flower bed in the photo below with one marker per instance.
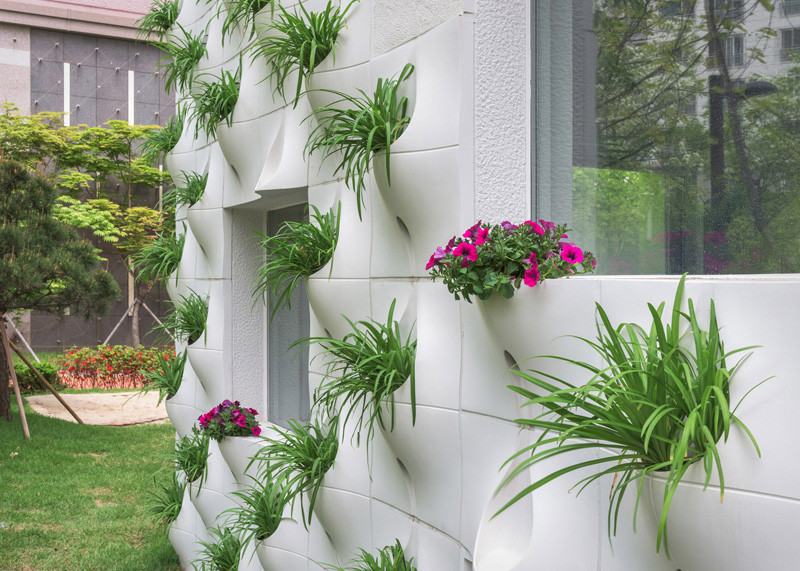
(109, 367)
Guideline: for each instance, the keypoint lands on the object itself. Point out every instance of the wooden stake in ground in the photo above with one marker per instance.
(10, 360)
(46, 384)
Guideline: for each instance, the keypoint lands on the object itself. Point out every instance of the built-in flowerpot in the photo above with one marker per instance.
(345, 516)
(746, 530)
(237, 451)
(532, 321)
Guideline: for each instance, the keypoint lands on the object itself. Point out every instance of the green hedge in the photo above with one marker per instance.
(30, 383)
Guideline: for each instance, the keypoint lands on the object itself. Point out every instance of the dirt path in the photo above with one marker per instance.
(112, 409)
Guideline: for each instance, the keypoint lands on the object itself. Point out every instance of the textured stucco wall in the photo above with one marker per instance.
(501, 110)
(15, 70)
(247, 312)
(395, 23)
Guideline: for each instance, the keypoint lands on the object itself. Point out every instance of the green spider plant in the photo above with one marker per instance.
(298, 458)
(191, 456)
(159, 19)
(305, 39)
(167, 502)
(390, 558)
(242, 13)
(659, 405)
(189, 193)
(364, 369)
(183, 52)
(366, 126)
(167, 378)
(161, 141)
(187, 318)
(295, 252)
(216, 102)
(261, 513)
(159, 259)
(222, 554)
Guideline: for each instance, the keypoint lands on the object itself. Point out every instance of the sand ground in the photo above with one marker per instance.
(112, 409)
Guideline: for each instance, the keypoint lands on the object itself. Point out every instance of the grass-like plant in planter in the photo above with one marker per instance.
(216, 102)
(295, 252)
(390, 558)
(261, 513)
(183, 52)
(297, 459)
(191, 456)
(303, 41)
(222, 554)
(167, 502)
(159, 19)
(242, 13)
(189, 193)
(167, 378)
(360, 126)
(658, 402)
(160, 259)
(186, 318)
(364, 369)
(161, 141)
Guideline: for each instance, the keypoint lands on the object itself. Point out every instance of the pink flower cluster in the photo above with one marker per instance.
(501, 257)
(229, 418)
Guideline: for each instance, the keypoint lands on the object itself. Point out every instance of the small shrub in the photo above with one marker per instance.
(159, 19)
(159, 142)
(167, 501)
(298, 458)
(29, 382)
(367, 126)
(160, 259)
(166, 378)
(261, 513)
(229, 419)
(242, 13)
(191, 456)
(658, 402)
(189, 193)
(109, 367)
(220, 555)
(186, 318)
(390, 558)
(216, 102)
(183, 52)
(295, 252)
(304, 40)
(364, 369)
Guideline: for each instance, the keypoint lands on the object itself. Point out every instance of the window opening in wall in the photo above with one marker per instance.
(791, 7)
(790, 44)
(683, 148)
(287, 368)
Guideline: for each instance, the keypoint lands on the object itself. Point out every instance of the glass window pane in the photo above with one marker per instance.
(690, 162)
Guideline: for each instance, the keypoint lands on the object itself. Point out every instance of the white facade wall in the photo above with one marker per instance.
(464, 156)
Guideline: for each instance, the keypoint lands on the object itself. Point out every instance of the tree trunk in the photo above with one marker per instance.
(141, 293)
(5, 380)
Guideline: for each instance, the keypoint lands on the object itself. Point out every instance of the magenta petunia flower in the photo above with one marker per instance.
(533, 227)
(508, 226)
(531, 277)
(481, 236)
(241, 421)
(469, 251)
(547, 225)
(256, 430)
(430, 263)
(450, 245)
(437, 256)
(531, 261)
(571, 253)
(472, 231)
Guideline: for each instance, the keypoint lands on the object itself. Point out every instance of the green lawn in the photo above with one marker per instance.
(75, 496)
